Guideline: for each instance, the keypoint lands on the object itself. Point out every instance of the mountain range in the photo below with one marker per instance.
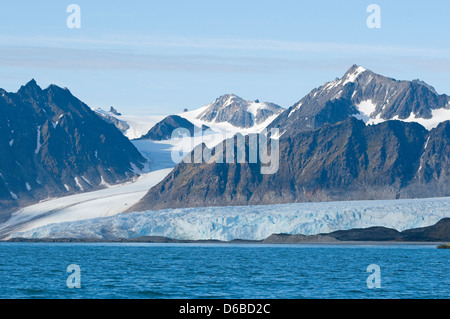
(364, 136)
(229, 113)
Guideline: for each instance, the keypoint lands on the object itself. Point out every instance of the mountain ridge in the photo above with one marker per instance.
(328, 151)
(368, 96)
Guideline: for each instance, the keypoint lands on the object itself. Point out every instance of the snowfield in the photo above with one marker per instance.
(253, 222)
(139, 125)
(102, 203)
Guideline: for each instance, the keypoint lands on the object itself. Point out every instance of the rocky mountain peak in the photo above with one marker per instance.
(353, 73)
(232, 109)
(368, 96)
(30, 89)
(229, 99)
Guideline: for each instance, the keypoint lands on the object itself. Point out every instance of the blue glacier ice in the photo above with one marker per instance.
(253, 222)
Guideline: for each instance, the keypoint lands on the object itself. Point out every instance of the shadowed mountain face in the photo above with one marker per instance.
(164, 129)
(435, 161)
(345, 161)
(52, 144)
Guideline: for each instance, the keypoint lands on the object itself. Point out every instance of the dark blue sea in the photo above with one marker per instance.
(152, 271)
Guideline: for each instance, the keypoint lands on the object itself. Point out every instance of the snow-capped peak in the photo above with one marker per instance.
(230, 99)
(352, 74)
(230, 109)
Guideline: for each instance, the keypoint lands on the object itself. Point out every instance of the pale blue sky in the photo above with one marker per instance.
(158, 57)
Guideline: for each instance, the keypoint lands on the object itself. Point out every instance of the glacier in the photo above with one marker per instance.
(252, 222)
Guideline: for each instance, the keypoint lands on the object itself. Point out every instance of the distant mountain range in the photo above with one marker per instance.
(227, 113)
(52, 144)
(331, 149)
(363, 136)
(238, 112)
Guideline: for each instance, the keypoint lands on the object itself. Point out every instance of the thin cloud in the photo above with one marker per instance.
(214, 55)
(232, 44)
(80, 59)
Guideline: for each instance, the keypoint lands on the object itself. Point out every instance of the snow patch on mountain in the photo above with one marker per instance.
(38, 142)
(367, 109)
(438, 116)
(351, 77)
(294, 109)
(77, 181)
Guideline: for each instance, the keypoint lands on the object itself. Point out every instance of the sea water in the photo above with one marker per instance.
(152, 271)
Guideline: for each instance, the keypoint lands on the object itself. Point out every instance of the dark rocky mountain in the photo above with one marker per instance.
(439, 232)
(238, 112)
(364, 94)
(164, 129)
(434, 168)
(52, 144)
(367, 234)
(344, 161)
(435, 233)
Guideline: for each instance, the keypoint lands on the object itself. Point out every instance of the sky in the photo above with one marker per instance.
(159, 57)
